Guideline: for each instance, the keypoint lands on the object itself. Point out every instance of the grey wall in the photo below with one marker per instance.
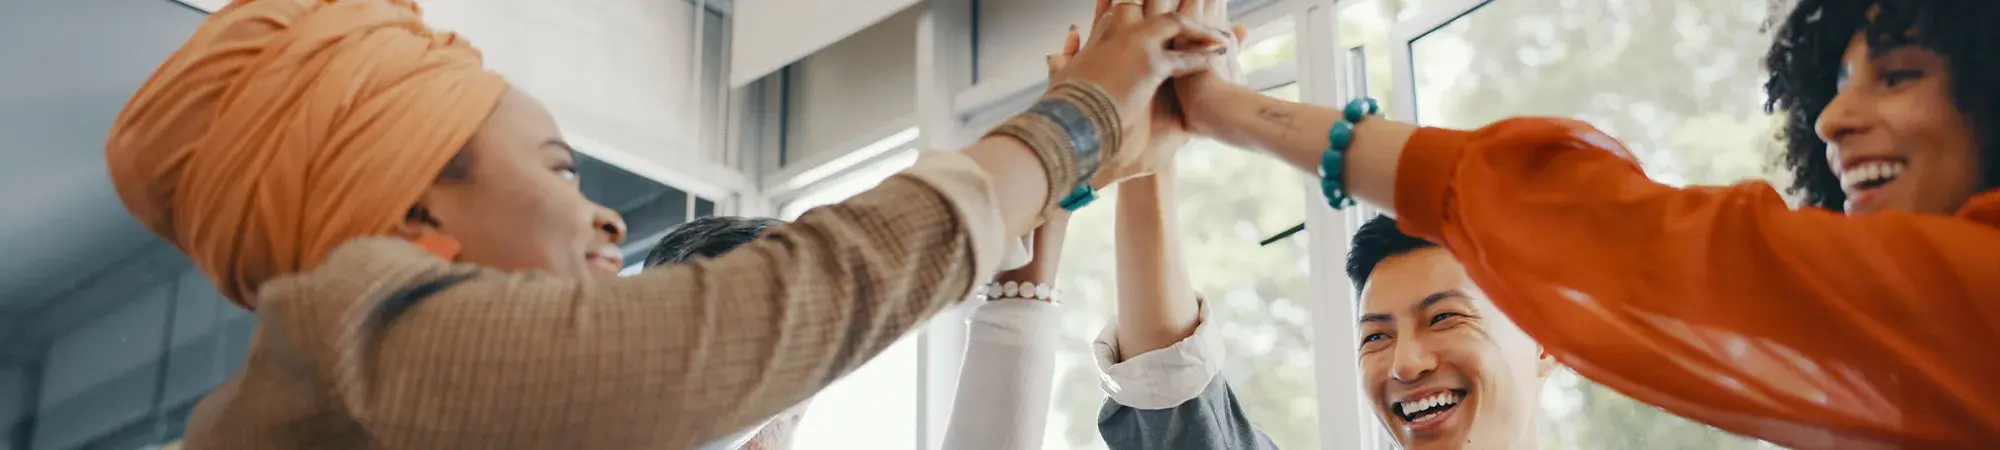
(1015, 35)
(66, 67)
(16, 384)
(118, 375)
(848, 95)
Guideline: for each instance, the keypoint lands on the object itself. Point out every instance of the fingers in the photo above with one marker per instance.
(1103, 6)
(1060, 59)
(1193, 8)
(1215, 12)
(1183, 34)
(1162, 7)
(1178, 63)
(1120, 14)
(1128, 11)
(1073, 43)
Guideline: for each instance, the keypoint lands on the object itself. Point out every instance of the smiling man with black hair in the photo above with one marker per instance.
(1441, 367)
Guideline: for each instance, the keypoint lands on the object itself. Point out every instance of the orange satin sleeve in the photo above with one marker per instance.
(1805, 328)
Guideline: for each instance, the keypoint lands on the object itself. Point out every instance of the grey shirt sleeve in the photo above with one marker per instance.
(1211, 420)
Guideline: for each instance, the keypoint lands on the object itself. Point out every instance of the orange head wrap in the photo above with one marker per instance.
(286, 127)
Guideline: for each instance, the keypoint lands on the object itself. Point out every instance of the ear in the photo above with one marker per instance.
(418, 222)
(421, 227)
(1546, 364)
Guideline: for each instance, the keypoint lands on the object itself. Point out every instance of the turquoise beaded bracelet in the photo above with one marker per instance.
(1338, 139)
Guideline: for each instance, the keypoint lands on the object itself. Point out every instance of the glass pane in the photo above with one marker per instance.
(1365, 31)
(876, 406)
(703, 208)
(1277, 45)
(1229, 199)
(1678, 82)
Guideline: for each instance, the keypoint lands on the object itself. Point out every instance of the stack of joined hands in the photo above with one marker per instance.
(1159, 60)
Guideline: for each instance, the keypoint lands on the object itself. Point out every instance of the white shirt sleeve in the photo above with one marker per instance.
(1163, 378)
(1005, 384)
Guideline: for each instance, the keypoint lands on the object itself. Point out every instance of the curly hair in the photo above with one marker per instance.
(706, 237)
(1805, 65)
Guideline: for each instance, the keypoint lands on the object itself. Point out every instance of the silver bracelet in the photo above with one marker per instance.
(1020, 290)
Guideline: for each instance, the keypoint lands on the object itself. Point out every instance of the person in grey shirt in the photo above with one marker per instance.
(1161, 367)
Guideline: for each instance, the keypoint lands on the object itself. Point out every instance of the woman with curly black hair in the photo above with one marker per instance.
(1807, 328)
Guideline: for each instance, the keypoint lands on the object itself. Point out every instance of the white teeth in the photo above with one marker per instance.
(1441, 399)
(1870, 172)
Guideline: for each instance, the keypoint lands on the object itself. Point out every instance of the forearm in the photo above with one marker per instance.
(1156, 301)
(727, 342)
(1006, 380)
(1297, 133)
(1047, 246)
(1019, 180)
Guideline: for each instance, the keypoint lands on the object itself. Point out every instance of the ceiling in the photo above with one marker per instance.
(68, 250)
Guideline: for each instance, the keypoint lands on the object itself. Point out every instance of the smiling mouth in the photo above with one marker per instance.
(605, 259)
(1871, 175)
(1429, 408)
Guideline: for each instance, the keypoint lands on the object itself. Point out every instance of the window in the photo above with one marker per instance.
(1257, 296)
(1679, 82)
(875, 407)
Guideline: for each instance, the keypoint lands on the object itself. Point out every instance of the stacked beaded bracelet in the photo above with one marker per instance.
(1334, 160)
(1023, 290)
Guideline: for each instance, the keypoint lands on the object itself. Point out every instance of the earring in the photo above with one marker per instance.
(445, 247)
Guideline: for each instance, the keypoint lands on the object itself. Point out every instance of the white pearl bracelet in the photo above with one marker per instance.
(1023, 290)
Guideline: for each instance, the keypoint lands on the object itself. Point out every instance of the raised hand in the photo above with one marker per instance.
(1194, 90)
(1131, 54)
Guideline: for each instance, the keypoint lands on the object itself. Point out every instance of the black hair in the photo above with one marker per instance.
(1377, 240)
(706, 237)
(1805, 64)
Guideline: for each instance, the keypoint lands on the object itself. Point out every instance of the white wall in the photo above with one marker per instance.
(854, 92)
(619, 75)
(775, 33)
(1015, 35)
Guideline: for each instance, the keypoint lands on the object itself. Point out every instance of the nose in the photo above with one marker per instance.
(1412, 361)
(609, 222)
(1842, 118)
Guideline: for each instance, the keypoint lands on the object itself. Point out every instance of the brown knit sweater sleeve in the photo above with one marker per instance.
(670, 358)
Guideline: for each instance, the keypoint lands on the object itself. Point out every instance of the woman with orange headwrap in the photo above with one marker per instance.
(286, 133)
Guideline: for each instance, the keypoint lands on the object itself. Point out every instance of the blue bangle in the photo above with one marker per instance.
(1334, 161)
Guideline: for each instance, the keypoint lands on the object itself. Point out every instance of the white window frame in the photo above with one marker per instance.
(1403, 107)
(1406, 33)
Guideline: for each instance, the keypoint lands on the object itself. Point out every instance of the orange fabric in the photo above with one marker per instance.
(283, 128)
(1805, 328)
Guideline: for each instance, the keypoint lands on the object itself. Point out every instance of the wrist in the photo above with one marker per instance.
(1216, 109)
